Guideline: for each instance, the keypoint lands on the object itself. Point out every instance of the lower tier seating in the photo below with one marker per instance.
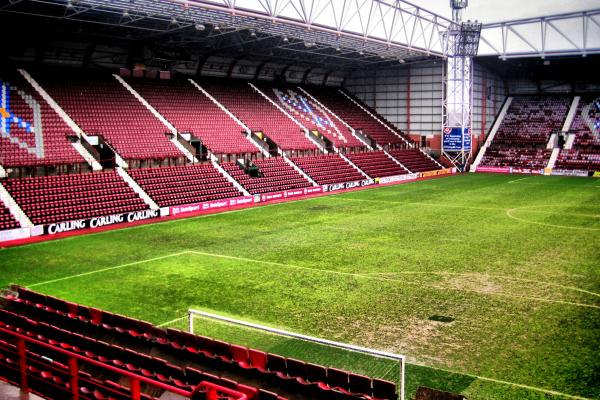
(169, 356)
(328, 169)
(516, 157)
(7, 221)
(277, 174)
(578, 159)
(49, 199)
(169, 186)
(414, 160)
(376, 164)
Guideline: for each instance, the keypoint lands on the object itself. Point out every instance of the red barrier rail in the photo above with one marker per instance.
(213, 391)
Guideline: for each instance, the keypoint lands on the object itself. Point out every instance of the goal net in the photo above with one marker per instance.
(360, 360)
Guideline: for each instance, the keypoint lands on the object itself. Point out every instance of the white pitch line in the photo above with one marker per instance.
(170, 322)
(476, 274)
(493, 380)
(370, 277)
(326, 271)
(106, 269)
(517, 180)
(581, 228)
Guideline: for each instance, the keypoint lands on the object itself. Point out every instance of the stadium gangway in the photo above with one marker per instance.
(211, 390)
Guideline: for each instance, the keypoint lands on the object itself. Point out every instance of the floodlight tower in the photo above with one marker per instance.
(462, 43)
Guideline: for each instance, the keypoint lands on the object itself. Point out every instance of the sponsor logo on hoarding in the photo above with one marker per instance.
(501, 170)
(313, 189)
(397, 178)
(596, 174)
(347, 185)
(97, 222)
(570, 172)
(436, 173)
(516, 170)
(14, 234)
(212, 205)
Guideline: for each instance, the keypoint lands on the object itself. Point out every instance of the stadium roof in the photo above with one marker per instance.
(336, 35)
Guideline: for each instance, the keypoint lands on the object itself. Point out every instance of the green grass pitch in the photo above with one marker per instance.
(514, 260)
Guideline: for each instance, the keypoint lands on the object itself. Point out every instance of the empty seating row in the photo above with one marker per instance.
(357, 117)
(311, 115)
(277, 175)
(169, 186)
(94, 381)
(516, 157)
(585, 150)
(525, 130)
(259, 114)
(414, 160)
(49, 199)
(102, 106)
(291, 376)
(328, 169)
(191, 111)
(376, 164)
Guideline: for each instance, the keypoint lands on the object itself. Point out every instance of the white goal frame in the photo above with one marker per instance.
(382, 354)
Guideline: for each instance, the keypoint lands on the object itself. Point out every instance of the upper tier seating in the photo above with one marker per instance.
(414, 160)
(522, 137)
(14, 145)
(259, 114)
(7, 221)
(49, 199)
(311, 115)
(278, 175)
(169, 186)
(190, 110)
(376, 164)
(585, 153)
(355, 116)
(328, 168)
(186, 359)
(102, 106)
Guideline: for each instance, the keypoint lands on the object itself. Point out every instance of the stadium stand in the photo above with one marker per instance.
(311, 115)
(414, 160)
(585, 152)
(17, 147)
(259, 114)
(277, 175)
(376, 164)
(524, 133)
(50, 199)
(7, 221)
(169, 356)
(102, 106)
(328, 168)
(175, 185)
(356, 117)
(190, 110)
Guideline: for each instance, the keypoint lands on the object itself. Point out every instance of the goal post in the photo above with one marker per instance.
(387, 365)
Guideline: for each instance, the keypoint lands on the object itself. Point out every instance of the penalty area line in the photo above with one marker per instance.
(325, 271)
(517, 180)
(107, 269)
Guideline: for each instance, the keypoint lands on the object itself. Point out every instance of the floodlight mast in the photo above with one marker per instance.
(462, 41)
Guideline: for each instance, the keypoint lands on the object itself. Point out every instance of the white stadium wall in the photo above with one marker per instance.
(410, 97)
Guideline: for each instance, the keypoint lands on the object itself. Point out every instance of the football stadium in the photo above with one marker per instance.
(299, 200)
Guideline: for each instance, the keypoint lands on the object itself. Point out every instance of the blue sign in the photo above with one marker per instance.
(453, 140)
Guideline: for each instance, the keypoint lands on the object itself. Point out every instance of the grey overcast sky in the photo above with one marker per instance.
(503, 10)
